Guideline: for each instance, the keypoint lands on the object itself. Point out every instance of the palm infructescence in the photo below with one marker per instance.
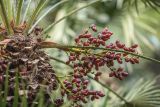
(27, 78)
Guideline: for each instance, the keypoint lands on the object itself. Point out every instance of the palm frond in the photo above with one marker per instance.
(39, 8)
(23, 98)
(144, 94)
(49, 10)
(4, 16)
(26, 10)
(19, 9)
(151, 3)
(9, 9)
(6, 89)
(70, 13)
(16, 91)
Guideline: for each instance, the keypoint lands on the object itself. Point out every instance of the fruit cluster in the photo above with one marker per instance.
(84, 60)
(78, 91)
(58, 102)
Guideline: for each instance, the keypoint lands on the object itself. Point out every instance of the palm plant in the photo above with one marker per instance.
(27, 77)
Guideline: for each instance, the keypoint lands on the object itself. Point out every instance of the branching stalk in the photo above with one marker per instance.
(54, 45)
(60, 82)
(108, 88)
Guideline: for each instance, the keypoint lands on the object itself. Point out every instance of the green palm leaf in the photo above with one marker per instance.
(39, 8)
(49, 10)
(19, 9)
(144, 94)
